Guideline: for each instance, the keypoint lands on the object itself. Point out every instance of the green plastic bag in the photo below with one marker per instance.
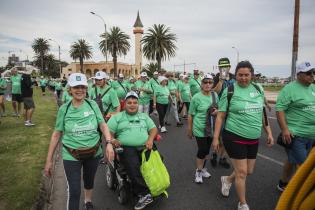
(154, 172)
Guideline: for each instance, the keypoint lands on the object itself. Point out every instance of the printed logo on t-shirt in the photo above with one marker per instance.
(86, 114)
(253, 94)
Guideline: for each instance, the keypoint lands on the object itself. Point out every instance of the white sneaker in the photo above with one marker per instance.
(225, 188)
(242, 207)
(205, 173)
(163, 129)
(198, 177)
(27, 123)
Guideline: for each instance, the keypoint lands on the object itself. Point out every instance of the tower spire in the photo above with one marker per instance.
(138, 22)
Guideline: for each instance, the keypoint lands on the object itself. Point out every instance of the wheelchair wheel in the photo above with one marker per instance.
(122, 195)
(109, 177)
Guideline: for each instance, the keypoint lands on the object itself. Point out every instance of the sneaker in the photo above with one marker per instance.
(89, 206)
(198, 177)
(225, 188)
(143, 201)
(214, 160)
(242, 207)
(14, 114)
(179, 124)
(205, 173)
(223, 162)
(28, 123)
(281, 185)
(163, 129)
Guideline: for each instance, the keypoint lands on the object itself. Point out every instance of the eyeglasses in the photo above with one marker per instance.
(207, 82)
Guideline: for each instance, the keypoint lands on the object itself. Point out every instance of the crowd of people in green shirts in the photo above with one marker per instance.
(224, 112)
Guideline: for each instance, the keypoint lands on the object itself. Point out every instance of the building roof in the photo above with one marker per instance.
(138, 22)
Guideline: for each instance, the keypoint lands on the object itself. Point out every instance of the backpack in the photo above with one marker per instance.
(154, 172)
(210, 119)
(230, 93)
(99, 101)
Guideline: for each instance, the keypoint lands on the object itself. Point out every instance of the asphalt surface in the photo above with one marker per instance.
(179, 156)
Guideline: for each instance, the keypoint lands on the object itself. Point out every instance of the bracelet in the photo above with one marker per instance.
(109, 142)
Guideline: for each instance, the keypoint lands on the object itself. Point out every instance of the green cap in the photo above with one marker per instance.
(224, 62)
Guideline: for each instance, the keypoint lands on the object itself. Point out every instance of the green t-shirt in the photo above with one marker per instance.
(120, 88)
(131, 130)
(109, 99)
(16, 84)
(179, 83)
(58, 86)
(3, 85)
(198, 110)
(130, 86)
(154, 84)
(245, 112)
(43, 82)
(79, 127)
(144, 97)
(65, 96)
(194, 86)
(162, 94)
(171, 85)
(184, 91)
(298, 103)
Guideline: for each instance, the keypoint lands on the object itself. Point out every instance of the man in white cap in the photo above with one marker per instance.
(154, 84)
(195, 83)
(295, 109)
(43, 84)
(121, 89)
(144, 91)
(104, 95)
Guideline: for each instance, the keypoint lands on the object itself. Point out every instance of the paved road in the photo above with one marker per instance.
(179, 153)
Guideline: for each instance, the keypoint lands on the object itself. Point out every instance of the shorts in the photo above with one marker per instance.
(28, 103)
(204, 144)
(17, 97)
(43, 88)
(299, 149)
(238, 147)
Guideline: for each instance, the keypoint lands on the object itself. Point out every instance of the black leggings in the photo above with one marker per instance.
(161, 109)
(43, 88)
(180, 107)
(58, 93)
(73, 175)
(204, 144)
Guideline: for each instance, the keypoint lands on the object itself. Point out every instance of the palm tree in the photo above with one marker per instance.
(159, 44)
(117, 44)
(41, 47)
(81, 50)
(151, 68)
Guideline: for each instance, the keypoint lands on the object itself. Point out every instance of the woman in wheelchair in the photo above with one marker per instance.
(132, 129)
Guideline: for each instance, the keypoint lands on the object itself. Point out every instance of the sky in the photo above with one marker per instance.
(206, 30)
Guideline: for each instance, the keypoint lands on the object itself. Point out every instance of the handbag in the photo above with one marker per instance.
(281, 143)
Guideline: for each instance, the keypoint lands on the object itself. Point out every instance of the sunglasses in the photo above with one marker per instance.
(310, 73)
(207, 82)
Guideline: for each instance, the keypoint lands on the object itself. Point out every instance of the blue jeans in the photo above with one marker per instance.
(299, 149)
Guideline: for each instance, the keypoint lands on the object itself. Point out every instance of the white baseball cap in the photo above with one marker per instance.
(132, 94)
(207, 76)
(162, 78)
(304, 67)
(181, 75)
(42, 77)
(100, 75)
(76, 79)
(156, 73)
(143, 74)
(121, 75)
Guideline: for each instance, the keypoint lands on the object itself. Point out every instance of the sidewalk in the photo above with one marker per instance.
(271, 96)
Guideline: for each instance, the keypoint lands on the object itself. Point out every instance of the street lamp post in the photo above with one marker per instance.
(237, 53)
(60, 70)
(93, 13)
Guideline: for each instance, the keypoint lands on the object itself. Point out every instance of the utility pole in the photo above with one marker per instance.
(295, 39)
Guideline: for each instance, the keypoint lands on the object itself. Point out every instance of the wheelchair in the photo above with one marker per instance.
(117, 178)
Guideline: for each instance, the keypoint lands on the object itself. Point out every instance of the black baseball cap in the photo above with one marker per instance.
(224, 62)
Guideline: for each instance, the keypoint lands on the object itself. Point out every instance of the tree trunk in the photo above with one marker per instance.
(81, 65)
(159, 64)
(115, 64)
(42, 63)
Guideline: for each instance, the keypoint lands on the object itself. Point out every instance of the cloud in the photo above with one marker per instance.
(206, 30)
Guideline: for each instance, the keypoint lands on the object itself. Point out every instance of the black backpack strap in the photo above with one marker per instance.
(122, 86)
(105, 92)
(198, 83)
(66, 111)
(98, 128)
(95, 89)
(230, 92)
(214, 101)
